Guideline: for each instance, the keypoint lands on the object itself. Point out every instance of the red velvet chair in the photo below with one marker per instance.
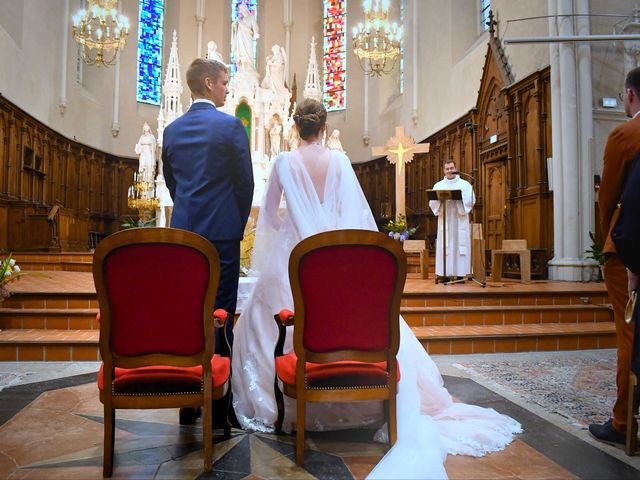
(156, 289)
(347, 286)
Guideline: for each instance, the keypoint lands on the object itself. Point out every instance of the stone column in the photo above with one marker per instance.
(115, 127)
(63, 58)
(365, 126)
(199, 22)
(571, 105)
(287, 22)
(587, 160)
(414, 67)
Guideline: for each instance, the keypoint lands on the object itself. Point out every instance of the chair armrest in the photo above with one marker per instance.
(220, 317)
(283, 319)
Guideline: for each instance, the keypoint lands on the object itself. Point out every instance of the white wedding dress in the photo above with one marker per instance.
(430, 424)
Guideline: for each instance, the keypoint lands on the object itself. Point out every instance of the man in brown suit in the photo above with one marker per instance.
(623, 146)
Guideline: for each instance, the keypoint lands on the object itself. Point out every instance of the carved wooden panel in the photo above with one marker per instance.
(40, 168)
(496, 207)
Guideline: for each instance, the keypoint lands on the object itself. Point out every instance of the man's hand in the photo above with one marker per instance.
(633, 281)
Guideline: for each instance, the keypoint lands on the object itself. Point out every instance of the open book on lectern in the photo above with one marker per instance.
(444, 194)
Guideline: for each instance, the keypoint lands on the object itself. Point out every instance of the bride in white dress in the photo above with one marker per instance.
(322, 193)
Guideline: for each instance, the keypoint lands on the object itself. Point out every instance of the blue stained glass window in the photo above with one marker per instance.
(485, 6)
(335, 55)
(150, 29)
(252, 6)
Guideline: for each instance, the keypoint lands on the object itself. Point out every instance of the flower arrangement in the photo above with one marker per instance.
(398, 228)
(10, 272)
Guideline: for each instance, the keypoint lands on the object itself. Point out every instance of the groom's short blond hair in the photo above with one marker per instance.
(202, 68)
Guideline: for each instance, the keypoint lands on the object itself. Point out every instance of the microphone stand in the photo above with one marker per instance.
(471, 276)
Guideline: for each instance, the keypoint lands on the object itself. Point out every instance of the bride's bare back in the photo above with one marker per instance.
(316, 160)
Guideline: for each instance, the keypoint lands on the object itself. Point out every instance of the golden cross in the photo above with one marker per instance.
(400, 150)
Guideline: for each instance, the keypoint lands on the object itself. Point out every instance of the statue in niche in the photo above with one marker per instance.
(275, 68)
(213, 53)
(294, 138)
(333, 142)
(146, 149)
(275, 137)
(243, 32)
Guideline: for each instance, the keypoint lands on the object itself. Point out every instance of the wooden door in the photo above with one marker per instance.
(495, 203)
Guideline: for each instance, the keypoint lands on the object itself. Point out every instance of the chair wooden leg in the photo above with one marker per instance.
(109, 440)
(280, 404)
(207, 427)
(300, 427)
(393, 421)
(631, 444)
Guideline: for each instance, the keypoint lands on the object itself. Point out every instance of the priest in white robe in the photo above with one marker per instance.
(458, 231)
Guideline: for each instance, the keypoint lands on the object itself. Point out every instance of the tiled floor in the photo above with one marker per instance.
(51, 427)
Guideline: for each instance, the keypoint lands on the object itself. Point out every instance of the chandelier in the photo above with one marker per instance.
(100, 31)
(376, 43)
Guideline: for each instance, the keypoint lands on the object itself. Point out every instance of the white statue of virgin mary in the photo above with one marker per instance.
(243, 32)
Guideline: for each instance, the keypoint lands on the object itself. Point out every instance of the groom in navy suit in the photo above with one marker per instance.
(207, 167)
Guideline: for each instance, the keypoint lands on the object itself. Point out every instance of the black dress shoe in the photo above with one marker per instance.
(189, 415)
(606, 433)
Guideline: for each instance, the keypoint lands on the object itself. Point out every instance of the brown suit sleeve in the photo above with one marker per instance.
(615, 154)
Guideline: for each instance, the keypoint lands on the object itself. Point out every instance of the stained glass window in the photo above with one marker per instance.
(335, 55)
(150, 28)
(252, 6)
(485, 6)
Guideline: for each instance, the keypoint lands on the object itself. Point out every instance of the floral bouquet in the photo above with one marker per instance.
(398, 228)
(10, 272)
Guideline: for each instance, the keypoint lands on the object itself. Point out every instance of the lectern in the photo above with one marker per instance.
(444, 196)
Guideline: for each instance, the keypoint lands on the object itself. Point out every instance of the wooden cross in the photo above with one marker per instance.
(399, 150)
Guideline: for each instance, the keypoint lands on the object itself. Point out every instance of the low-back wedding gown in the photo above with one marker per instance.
(322, 193)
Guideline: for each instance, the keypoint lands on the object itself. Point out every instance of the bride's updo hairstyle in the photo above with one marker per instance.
(310, 116)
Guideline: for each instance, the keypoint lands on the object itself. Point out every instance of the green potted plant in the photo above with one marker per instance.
(595, 252)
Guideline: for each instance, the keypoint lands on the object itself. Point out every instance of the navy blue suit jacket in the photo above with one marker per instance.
(207, 167)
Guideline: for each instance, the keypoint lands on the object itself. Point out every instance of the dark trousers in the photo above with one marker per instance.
(227, 296)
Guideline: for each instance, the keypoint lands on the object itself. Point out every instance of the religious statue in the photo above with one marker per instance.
(213, 53)
(333, 142)
(275, 68)
(275, 137)
(146, 148)
(294, 139)
(243, 32)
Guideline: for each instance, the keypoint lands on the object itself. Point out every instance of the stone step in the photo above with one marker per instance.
(506, 314)
(82, 345)
(51, 300)
(69, 262)
(49, 318)
(516, 338)
(489, 298)
(49, 345)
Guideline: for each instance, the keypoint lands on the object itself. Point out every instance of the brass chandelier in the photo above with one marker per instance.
(100, 31)
(376, 43)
